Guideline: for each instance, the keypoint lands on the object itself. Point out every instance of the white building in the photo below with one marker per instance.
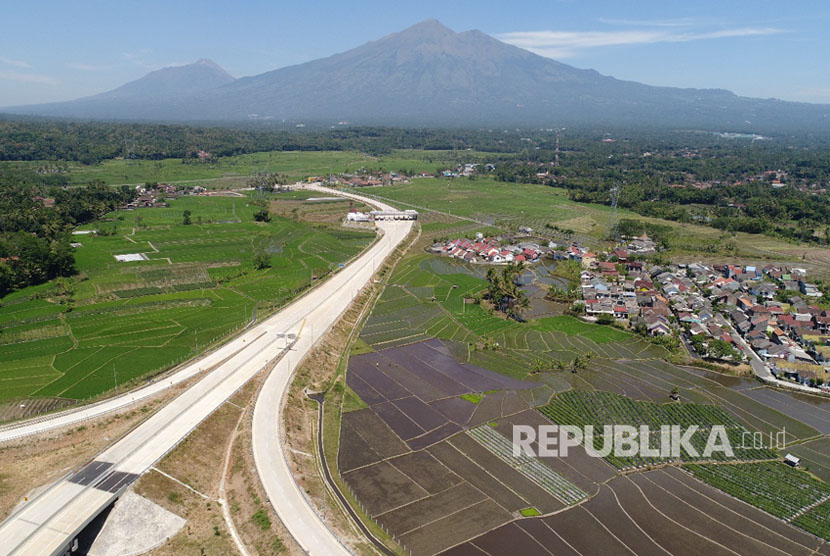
(357, 217)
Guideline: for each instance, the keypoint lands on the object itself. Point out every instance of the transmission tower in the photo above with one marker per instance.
(615, 197)
(129, 144)
(556, 155)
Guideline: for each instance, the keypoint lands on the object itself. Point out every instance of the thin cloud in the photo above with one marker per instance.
(16, 63)
(138, 57)
(682, 22)
(86, 67)
(564, 44)
(136, 54)
(28, 78)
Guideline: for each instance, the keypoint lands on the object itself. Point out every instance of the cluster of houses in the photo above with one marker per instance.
(465, 170)
(360, 180)
(771, 308)
(492, 250)
(151, 197)
(627, 290)
(642, 245)
(47, 202)
(155, 195)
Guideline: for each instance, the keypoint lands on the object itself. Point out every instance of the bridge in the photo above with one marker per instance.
(408, 214)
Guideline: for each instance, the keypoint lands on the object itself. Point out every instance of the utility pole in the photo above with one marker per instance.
(115, 376)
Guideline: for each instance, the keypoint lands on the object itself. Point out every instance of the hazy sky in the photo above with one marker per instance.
(64, 49)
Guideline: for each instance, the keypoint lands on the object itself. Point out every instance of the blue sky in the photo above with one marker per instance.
(64, 49)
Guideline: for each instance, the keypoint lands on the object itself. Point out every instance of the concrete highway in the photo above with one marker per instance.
(47, 523)
(289, 501)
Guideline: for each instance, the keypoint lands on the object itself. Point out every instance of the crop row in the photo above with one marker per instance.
(552, 482)
(781, 490)
(816, 521)
(601, 409)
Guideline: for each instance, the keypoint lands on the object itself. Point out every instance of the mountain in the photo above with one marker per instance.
(142, 98)
(201, 75)
(431, 75)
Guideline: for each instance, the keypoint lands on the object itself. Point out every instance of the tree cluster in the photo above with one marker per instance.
(503, 291)
(34, 237)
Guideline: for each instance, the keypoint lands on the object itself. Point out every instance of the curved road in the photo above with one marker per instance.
(46, 524)
(290, 503)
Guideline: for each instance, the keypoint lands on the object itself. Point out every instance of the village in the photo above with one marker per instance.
(376, 178)
(719, 312)
(490, 250)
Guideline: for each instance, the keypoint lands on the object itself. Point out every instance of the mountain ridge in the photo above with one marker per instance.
(428, 75)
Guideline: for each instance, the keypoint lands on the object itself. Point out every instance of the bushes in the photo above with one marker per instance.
(261, 518)
(262, 260)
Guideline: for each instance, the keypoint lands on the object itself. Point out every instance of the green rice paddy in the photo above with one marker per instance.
(119, 322)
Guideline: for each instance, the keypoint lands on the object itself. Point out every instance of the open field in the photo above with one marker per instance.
(815, 456)
(416, 391)
(514, 204)
(490, 201)
(433, 498)
(314, 208)
(117, 322)
(403, 459)
(407, 313)
(294, 164)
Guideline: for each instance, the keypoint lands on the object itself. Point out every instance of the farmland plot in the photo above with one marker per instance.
(530, 467)
(772, 486)
(600, 409)
(118, 322)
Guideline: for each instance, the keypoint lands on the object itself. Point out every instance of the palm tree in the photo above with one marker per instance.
(502, 286)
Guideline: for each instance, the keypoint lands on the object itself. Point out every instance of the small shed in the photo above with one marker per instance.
(791, 460)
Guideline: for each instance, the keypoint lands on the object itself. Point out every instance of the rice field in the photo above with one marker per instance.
(430, 297)
(785, 492)
(119, 322)
(605, 409)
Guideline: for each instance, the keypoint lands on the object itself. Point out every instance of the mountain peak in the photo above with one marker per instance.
(201, 75)
(209, 63)
(428, 28)
(431, 24)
